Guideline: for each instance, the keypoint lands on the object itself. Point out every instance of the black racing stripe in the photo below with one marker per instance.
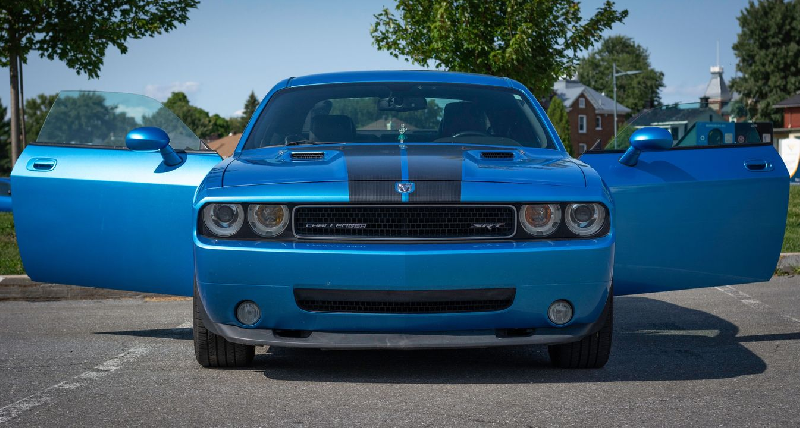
(374, 191)
(436, 171)
(372, 172)
(436, 191)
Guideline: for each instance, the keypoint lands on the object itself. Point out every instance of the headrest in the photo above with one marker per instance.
(334, 128)
(462, 116)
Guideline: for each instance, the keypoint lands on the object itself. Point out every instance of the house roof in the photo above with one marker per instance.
(569, 90)
(225, 145)
(717, 89)
(793, 101)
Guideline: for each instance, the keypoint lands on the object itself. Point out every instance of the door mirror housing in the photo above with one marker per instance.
(150, 139)
(648, 139)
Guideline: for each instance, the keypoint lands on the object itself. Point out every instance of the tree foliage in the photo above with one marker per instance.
(534, 42)
(36, 110)
(86, 119)
(5, 147)
(768, 52)
(78, 32)
(636, 91)
(237, 124)
(558, 115)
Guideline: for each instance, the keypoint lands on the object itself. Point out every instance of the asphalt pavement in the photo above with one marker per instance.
(727, 356)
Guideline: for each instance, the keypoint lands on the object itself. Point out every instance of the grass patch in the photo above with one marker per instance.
(791, 240)
(10, 263)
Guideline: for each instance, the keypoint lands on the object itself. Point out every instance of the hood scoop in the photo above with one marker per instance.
(497, 155)
(307, 156)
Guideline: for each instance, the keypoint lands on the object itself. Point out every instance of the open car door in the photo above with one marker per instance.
(88, 211)
(700, 214)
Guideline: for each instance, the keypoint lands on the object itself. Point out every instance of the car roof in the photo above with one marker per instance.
(426, 76)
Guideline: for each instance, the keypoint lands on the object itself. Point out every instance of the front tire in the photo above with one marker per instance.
(592, 351)
(212, 350)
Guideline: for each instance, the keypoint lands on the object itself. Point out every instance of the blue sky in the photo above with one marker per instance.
(229, 48)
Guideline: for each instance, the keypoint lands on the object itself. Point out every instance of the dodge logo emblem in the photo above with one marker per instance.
(404, 187)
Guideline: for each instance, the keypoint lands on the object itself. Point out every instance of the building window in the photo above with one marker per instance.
(582, 124)
(598, 122)
(581, 148)
(582, 102)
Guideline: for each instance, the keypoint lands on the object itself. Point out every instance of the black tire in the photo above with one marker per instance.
(592, 351)
(212, 350)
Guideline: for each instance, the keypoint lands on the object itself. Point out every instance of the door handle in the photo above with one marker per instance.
(758, 165)
(41, 164)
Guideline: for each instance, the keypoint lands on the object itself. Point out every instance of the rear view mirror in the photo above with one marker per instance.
(150, 139)
(648, 139)
(400, 104)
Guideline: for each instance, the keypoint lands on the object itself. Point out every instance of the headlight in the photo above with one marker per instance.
(540, 220)
(223, 220)
(268, 220)
(585, 219)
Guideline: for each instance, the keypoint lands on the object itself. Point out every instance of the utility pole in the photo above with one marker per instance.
(614, 75)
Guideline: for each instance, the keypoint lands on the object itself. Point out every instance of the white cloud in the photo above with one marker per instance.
(238, 113)
(162, 92)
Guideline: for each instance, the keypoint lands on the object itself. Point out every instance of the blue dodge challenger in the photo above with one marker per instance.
(391, 209)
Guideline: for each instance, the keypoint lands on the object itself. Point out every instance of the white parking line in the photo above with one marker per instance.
(48, 395)
(749, 301)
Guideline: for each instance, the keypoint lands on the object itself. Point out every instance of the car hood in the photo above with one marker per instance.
(396, 163)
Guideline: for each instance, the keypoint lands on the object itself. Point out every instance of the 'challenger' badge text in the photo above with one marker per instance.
(404, 187)
(336, 225)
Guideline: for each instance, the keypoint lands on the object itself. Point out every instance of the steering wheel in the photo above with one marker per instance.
(470, 133)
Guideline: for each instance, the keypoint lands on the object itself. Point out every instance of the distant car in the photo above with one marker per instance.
(5, 194)
(389, 210)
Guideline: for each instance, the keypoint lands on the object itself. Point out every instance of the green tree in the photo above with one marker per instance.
(86, 119)
(637, 91)
(250, 106)
(36, 110)
(558, 115)
(197, 119)
(77, 32)
(768, 52)
(237, 124)
(5, 147)
(534, 42)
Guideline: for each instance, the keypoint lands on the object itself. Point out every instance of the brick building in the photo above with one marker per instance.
(591, 114)
(791, 118)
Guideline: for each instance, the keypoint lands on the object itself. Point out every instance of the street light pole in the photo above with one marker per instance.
(614, 75)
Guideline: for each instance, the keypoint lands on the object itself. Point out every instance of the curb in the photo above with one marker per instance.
(20, 287)
(789, 263)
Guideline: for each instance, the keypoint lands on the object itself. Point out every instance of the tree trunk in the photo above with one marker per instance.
(12, 68)
(22, 107)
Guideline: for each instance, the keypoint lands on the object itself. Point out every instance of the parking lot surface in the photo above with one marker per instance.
(727, 356)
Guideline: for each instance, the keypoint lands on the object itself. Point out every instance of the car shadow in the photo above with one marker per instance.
(653, 341)
(158, 333)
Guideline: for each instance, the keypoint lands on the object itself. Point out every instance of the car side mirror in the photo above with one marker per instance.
(150, 139)
(648, 139)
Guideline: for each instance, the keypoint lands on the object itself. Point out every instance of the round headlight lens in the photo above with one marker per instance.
(585, 219)
(540, 220)
(268, 220)
(223, 220)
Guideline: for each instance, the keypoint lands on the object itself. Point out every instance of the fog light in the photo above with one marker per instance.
(560, 312)
(248, 313)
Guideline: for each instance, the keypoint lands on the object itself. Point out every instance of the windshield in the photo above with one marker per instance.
(103, 119)
(392, 112)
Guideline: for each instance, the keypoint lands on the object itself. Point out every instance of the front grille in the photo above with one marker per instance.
(404, 302)
(405, 222)
(497, 155)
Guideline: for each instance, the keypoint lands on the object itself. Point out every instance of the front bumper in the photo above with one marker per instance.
(268, 272)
